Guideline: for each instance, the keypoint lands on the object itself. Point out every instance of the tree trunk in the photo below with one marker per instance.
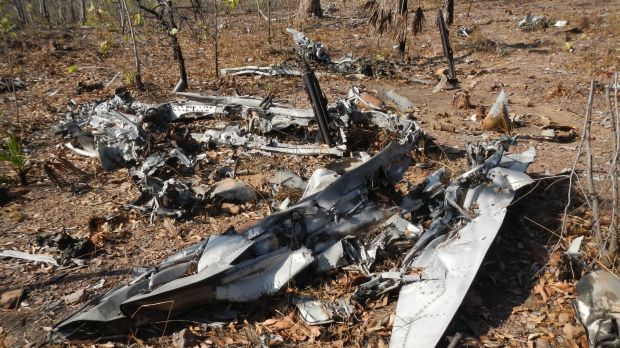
(21, 14)
(449, 7)
(402, 36)
(176, 49)
(122, 7)
(310, 8)
(72, 11)
(217, 39)
(45, 11)
(82, 12)
(138, 75)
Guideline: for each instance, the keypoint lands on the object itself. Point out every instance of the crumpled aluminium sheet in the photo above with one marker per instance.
(598, 308)
(451, 261)
(243, 267)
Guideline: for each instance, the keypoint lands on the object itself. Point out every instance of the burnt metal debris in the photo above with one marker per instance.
(342, 221)
(317, 54)
(447, 50)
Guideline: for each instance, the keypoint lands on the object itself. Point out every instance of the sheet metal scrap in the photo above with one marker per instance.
(451, 259)
(243, 267)
(598, 308)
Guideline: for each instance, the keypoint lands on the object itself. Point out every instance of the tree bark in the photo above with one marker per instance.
(310, 8)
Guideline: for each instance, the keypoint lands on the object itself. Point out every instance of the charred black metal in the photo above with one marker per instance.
(319, 103)
(447, 50)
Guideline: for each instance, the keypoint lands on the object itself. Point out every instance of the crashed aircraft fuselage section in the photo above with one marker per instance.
(345, 223)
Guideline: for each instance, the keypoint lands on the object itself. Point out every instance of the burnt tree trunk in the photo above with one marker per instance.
(310, 8)
(402, 36)
(176, 49)
(449, 13)
(72, 11)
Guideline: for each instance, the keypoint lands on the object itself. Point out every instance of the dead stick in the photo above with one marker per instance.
(269, 21)
(572, 171)
(613, 228)
(613, 170)
(589, 163)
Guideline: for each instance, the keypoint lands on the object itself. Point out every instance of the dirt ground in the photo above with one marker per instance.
(519, 299)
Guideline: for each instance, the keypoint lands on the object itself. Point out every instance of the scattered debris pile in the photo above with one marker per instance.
(436, 233)
(317, 53)
(163, 144)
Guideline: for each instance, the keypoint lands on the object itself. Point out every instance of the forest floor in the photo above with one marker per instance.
(520, 297)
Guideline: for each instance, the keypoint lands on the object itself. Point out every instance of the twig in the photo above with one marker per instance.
(589, 159)
(610, 253)
(572, 171)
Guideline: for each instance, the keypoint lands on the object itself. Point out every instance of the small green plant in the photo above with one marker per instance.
(231, 3)
(12, 152)
(104, 47)
(138, 20)
(72, 69)
(130, 78)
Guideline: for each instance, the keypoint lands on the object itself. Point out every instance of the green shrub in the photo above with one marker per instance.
(12, 152)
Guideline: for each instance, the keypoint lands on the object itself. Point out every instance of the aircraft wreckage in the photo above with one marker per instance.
(350, 220)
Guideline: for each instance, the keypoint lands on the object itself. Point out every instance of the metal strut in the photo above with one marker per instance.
(319, 103)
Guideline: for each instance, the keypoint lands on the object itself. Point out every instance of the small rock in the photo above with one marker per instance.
(10, 299)
(74, 297)
(230, 208)
(184, 339)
